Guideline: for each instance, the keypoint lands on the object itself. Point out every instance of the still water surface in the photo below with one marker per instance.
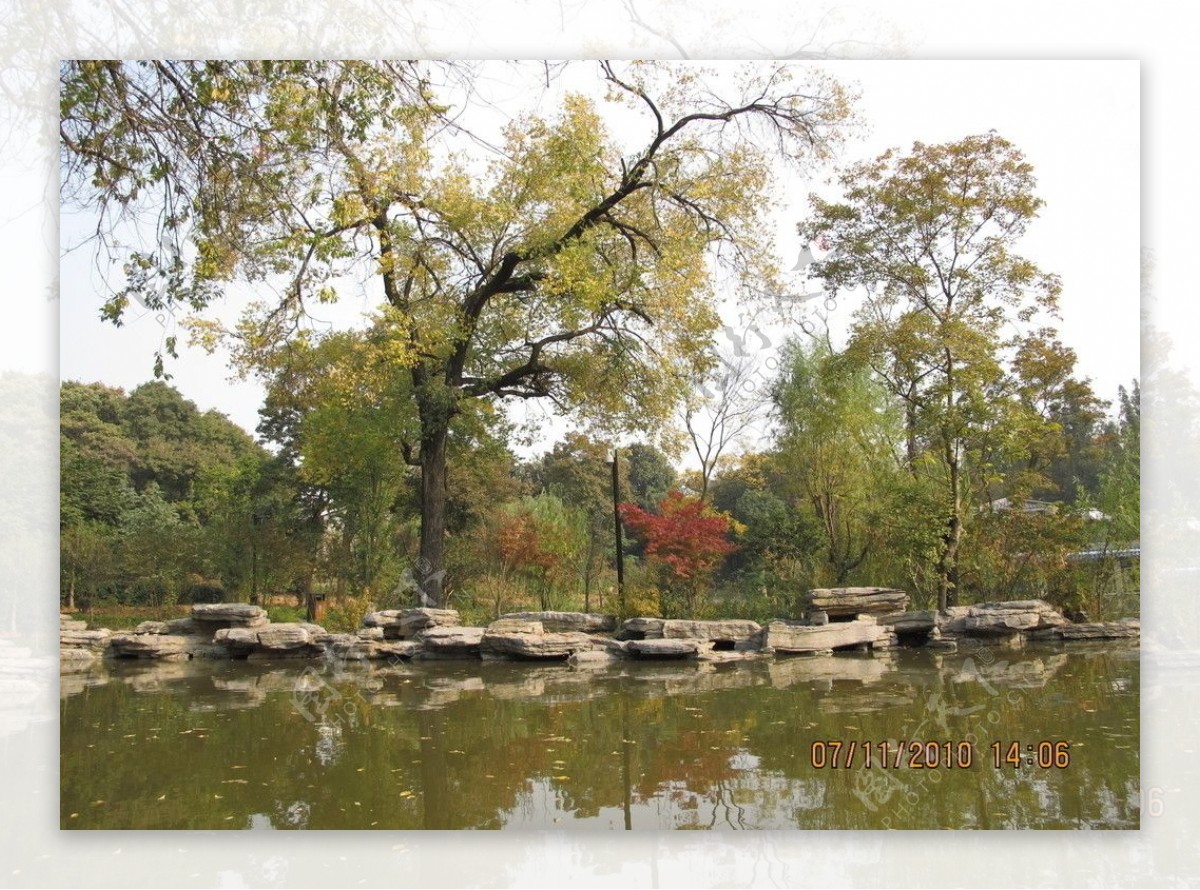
(236, 745)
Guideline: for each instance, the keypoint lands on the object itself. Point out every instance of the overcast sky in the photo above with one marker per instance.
(1076, 122)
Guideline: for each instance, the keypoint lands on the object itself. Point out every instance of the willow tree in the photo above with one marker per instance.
(931, 236)
(557, 262)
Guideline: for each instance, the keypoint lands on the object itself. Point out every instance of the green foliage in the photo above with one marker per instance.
(287, 614)
(345, 614)
(837, 451)
(157, 496)
(650, 474)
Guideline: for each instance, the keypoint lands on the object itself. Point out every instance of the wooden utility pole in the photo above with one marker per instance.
(616, 495)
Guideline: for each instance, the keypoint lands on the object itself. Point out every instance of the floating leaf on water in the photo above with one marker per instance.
(163, 797)
(73, 816)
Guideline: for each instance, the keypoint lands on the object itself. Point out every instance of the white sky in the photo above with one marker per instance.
(1077, 123)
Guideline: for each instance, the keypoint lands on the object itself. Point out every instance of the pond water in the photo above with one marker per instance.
(208, 745)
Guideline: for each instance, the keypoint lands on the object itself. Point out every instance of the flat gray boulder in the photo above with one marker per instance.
(161, 646)
(236, 637)
(732, 630)
(665, 648)
(451, 642)
(515, 626)
(642, 628)
(794, 636)
(283, 637)
(1125, 629)
(911, 622)
(407, 623)
(534, 645)
(840, 602)
(229, 614)
(1008, 618)
(561, 622)
(95, 641)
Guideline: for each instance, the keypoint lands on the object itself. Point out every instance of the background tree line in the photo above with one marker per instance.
(163, 504)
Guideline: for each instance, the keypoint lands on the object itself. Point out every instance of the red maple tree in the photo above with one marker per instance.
(687, 538)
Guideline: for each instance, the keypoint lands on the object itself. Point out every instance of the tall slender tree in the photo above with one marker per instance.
(931, 235)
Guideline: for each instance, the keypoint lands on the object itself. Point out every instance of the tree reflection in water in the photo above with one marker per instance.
(639, 746)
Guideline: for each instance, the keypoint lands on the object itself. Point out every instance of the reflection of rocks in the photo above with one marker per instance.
(1022, 673)
(794, 636)
(595, 658)
(858, 669)
(354, 648)
(674, 680)
(567, 622)
(86, 676)
(841, 602)
(719, 656)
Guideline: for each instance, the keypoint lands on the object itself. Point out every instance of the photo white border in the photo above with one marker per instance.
(33, 852)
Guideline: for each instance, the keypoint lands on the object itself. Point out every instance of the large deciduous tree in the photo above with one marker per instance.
(563, 264)
(931, 236)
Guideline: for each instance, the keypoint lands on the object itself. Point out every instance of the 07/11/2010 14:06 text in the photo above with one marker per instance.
(838, 754)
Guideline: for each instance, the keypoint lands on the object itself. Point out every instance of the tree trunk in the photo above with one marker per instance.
(948, 561)
(431, 566)
(910, 435)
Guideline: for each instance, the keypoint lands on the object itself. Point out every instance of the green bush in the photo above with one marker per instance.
(286, 614)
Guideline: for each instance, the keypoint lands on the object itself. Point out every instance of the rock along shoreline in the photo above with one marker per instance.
(869, 619)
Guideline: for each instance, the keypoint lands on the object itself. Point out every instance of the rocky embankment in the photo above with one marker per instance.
(836, 619)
